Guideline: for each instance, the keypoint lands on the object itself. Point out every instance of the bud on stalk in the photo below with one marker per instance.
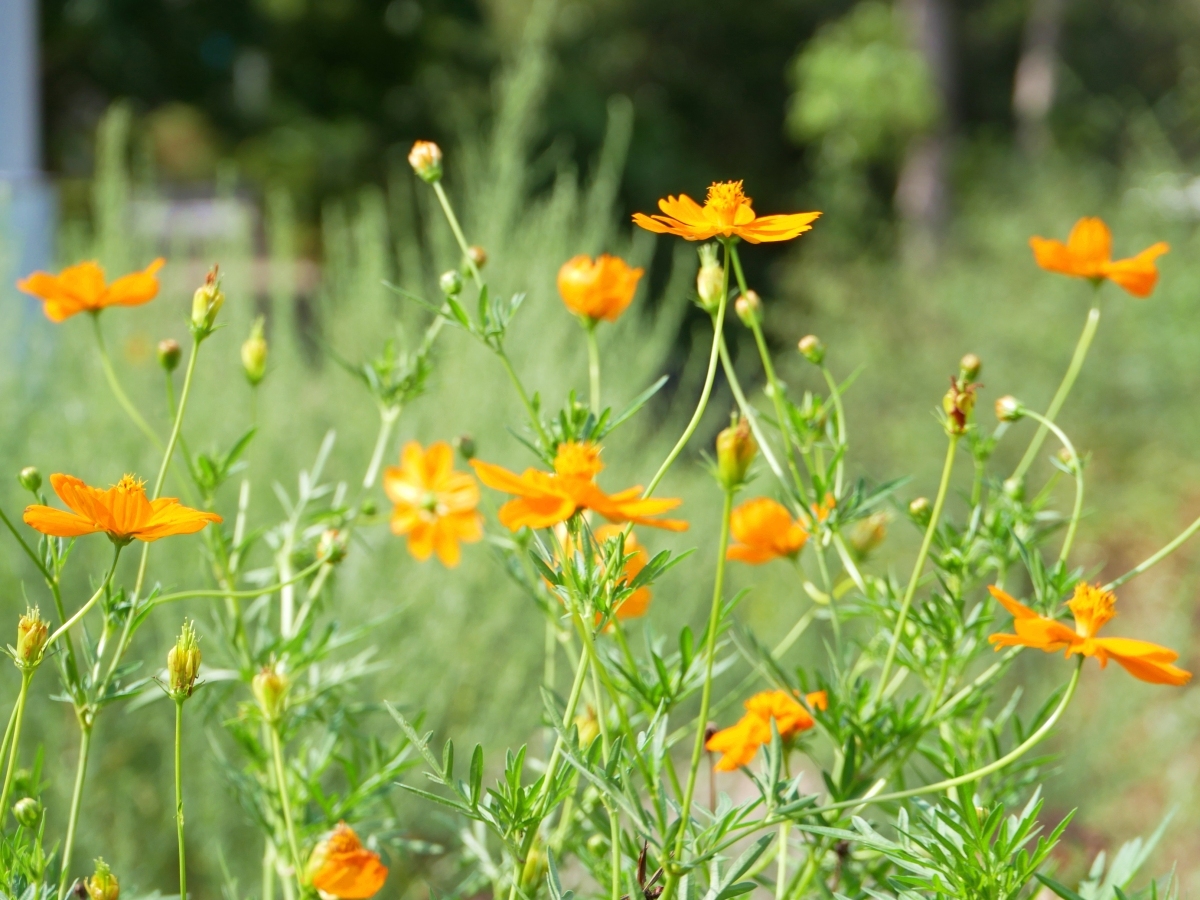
(451, 283)
(426, 159)
(920, 510)
(32, 634)
(735, 451)
(749, 309)
(812, 349)
(30, 479)
(333, 545)
(1008, 408)
(27, 811)
(103, 884)
(969, 367)
(183, 663)
(169, 353)
(206, 303)
(270, 688)
(710, 280)
(254, 353)
(477, 255)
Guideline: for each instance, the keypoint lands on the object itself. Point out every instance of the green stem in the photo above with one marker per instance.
(1060, 396)
(781, 872)
(85, 743)
(243, 595)
(749, 412)
(926, 542)
(83, 610)
(529, 410)
(836, 394)
(1157, 557)
(387, 421)
(179, 796)
(285, 800)
(19, 716)
(458, 232)
(1076, 471)
(119, 392)
(589, 326)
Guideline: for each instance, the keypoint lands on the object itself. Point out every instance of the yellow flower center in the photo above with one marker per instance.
(725, 198)
(577, 459)
(130, 484)
(1092, 608)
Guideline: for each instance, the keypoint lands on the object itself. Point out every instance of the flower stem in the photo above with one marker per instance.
(458, 232)
(781, 872)
(836, 394)
(85, 743)
(1156, 558)
(18, 717)
(593, 365)
(749, 412)
(530, 411)
(387, 421)
(930, 530)
(83, 610)
(119, 392)
(1060, 396)
(284, 799)
(179, 796)
(1077, 471)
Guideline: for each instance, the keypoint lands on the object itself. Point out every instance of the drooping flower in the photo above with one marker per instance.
(726, 213)
(123, 512)
(341, 867)
(1092, 608)
(764, 530)
(81, 288)
(546, 498)
(1088, 254)
(598, 290)
(740, 742)
(434, 505)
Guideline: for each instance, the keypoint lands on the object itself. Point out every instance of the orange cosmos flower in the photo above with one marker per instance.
(598, 290)
(740, 742)
(546, 498)
(81, 288)
(434, 505)
(1088, 254)
(123, 512)
(1092, 607)
(340, 866)
(764, 530)
(726, 213)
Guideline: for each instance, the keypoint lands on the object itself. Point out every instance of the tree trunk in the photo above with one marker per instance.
(1036, 79)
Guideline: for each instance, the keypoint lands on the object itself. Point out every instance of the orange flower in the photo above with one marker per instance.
(1093, 607)
(828, 505)
(600, 289)
(764, 530)
(122, 512)
(1088, 254)
(544, 499)
(434, 505)
(81, 288)
(740, 742)
(726, 212)
(340, 866)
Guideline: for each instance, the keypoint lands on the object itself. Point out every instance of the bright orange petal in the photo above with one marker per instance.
(1052, 255)
(136, 288)
(1090, 244)
(1138, 274)
(1017, 609)
(1144, 660)
(57, 523)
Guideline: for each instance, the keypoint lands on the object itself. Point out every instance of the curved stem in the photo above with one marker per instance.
(458, 232)
(114, 385)
(387, 421)
(285, 799)
(242, 595)
(83, 610)
(1060, 396)
(1156, 558)
(85, 743)
(1076, 471)
(930, 530)
(530, 411)
(179, 796)
(589, 326)
(19, 716)
(749, 412)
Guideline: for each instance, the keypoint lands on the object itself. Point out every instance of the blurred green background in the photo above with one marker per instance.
(936, 136)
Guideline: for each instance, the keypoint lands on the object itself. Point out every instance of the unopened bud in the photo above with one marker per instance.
(868, 534)
(812, 349)
(254, 353)
(103, 883)
(958, 403)
(1008, 408)
(367, 507)
(426, 159)
(169, 353)
(477, 255)
(1014, 488)
(27, 811)
(30, 479)
(183, 663)
(1066, 457)
(206, 303)
(969, 367)
(920, 510)
(32, 633)
(270, 688)
(465, 444)
(333, 545)
(736, 448)
(749, 308)
(451, 283)
(710, 280)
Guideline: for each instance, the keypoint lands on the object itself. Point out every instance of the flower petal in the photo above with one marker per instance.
(134, 289)
(1138, 274)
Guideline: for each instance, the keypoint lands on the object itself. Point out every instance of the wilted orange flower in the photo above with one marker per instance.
(546, 498)
(1088, 254)
(1093, 607)
(726, 213)
(81, 288)
(764, 530)
(600, 289)
(740, 742)
(434, 505)
(342, 867)
(123, 512)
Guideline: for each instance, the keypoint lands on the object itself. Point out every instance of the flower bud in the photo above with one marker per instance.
(451, 283)
(812, 349)
(920, 510)
(426, 159)
(103, 883)
(710, 280)
(958, 403)
(169, 354)
(254, 353)
(477, 255)
(32, 633)
(333, 545)
(465, 444)
(368, 507)
(969, 367)
(30, 479)
(183, 663)
(749, 309)
(1008, 408)
(1066, 457)
(27, 811)
(1014, 488)
(735, 451)
(867, 534)
(270, 688)
(206, 303)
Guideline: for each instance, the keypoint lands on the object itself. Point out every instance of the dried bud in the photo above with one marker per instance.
(103, 883)
(969, 367)
(465, 444)
(27, 811)
(735, 451)
(958, 404)
(206, 303)
(749, 309)
(169, 354)
(254, 353)
(270, 688)
(426, 159)
(477, 255)
(32, 633)
(920, 510)
(183, 663)
(451, 283)
(710, 280)
(333, 545)
(812, 349)
(30, 479)
(868, 534)
(1008, 408)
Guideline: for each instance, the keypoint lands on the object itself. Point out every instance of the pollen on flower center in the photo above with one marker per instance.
(576, 459)
(130, 484)
(726, 197)
(1092, 607)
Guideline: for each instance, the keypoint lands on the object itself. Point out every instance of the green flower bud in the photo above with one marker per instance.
(710, 280)
(749, 309)
(169, 354)
(969, 367)
(254, 353)
(206, 303)
(27, 811)
(30, 479)
(920, 510)
(451, 283)
(333, 545)
(32, 634)
(465, 444)
(103, 884)
(270, 688)
(426, 160)
(1008, 408)
(812, 349)
(736, 449)
(183, 663)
